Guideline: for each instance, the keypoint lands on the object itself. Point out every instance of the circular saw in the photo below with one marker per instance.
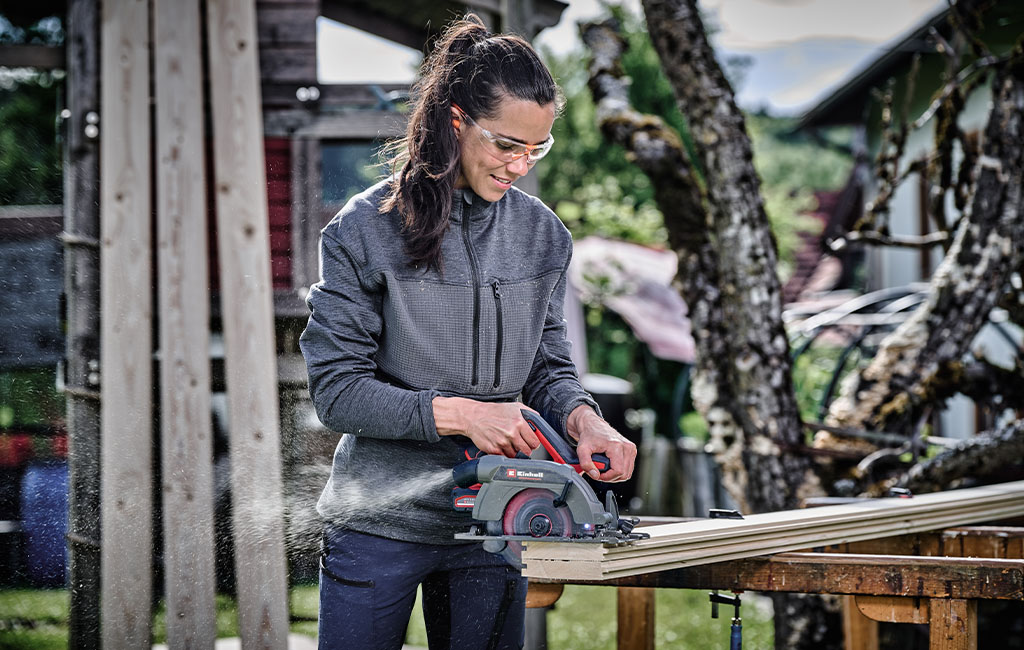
(513, 500)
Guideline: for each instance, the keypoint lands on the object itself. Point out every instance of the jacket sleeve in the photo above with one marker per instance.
(339, 344)
(553, 386)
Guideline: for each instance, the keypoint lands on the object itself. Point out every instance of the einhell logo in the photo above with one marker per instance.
(523, 475)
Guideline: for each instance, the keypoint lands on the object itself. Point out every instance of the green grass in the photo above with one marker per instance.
(584, 618)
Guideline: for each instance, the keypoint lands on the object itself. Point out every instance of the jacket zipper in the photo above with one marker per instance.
(498, 343)
(466, 214)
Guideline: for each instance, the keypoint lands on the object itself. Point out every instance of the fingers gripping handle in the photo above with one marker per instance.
(558, 447)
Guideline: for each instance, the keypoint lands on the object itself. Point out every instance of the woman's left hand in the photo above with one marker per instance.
(595, 436)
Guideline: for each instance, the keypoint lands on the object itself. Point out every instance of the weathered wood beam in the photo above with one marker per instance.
(635, 629)
(44, 57)
(81, 238)
(834, 573)
(991, 542)
(705, 541)
(186, 437)
(378, 24)
(247, 309)
(126, 348)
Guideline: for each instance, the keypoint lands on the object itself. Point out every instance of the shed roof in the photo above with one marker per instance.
(848, 102)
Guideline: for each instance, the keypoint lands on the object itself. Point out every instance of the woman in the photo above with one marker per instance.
(440, 304)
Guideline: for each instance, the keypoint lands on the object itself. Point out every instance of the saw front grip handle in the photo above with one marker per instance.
(558, 447)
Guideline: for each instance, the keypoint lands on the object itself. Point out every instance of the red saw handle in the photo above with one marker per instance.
(558, 447)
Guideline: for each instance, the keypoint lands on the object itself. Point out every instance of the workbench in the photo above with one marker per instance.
(935, 578)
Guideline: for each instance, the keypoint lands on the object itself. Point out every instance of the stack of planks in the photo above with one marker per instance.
(714, 540)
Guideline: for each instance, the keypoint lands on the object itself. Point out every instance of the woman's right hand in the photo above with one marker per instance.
(494, 427)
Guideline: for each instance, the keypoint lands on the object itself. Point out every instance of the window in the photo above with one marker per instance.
(347, 168)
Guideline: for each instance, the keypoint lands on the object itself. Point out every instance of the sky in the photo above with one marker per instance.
(798, 49)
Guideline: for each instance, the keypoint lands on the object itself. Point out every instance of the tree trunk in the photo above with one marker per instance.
(732, 288)
(727, 260)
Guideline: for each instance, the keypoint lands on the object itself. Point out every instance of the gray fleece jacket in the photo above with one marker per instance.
(384, 338)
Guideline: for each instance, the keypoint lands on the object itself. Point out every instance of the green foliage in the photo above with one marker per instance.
(791, 168)
(31, 618)
(29, 398)
(812, 372)
(692, 425)
(30, 158)
(602, 208)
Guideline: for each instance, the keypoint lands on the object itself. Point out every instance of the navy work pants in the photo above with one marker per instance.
(472, 599)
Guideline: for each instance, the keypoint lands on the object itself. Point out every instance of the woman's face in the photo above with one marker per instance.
(482, 171)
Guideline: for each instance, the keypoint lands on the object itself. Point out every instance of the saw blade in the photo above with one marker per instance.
(532, 512)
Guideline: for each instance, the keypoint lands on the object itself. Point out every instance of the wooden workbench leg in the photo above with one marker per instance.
(859, 631)
(953, 625)
(636, 618)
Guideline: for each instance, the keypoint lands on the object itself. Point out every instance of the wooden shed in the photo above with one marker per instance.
(134, 69)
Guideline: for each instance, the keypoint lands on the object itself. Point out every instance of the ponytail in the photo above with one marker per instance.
(472, 68)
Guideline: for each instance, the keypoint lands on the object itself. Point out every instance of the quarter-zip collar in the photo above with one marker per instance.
(467, 202)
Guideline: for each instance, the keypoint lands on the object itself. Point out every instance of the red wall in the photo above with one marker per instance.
(279, 166)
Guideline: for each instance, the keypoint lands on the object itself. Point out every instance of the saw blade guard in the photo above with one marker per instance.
(501, 479)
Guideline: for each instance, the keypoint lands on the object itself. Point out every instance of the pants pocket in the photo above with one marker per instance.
(346, 608)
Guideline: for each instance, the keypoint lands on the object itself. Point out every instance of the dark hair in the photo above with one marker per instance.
(474, 69)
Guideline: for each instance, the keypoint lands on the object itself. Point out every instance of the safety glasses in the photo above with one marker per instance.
(506, 149)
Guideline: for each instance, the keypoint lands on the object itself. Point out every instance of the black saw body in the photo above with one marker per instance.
(520, 499)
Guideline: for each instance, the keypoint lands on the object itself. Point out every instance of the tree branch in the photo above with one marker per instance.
(884, 239)
(901, 380)
(983, 455)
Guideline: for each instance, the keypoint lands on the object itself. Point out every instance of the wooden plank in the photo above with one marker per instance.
(859, 631)
(288, 25)
(283, 63)
(306, 213)
(997, 541)
(841, 573)
(893, 609)
(126, 324)
(45, 57)
(541, 594)
(635, 618)
(247, 309)
(704, 541)
(82, 286)
(593, 566)
(954, 624)
(186, 435)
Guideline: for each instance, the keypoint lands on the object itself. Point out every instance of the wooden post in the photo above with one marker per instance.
(186, 445)
(247, 307)
(82, 288)
(636, 618)
(126, 340)
(859, 631)
(954, 624)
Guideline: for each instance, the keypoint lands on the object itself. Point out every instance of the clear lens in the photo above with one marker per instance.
(510, 150)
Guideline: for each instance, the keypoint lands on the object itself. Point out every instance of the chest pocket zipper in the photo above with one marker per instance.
(498, 344)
